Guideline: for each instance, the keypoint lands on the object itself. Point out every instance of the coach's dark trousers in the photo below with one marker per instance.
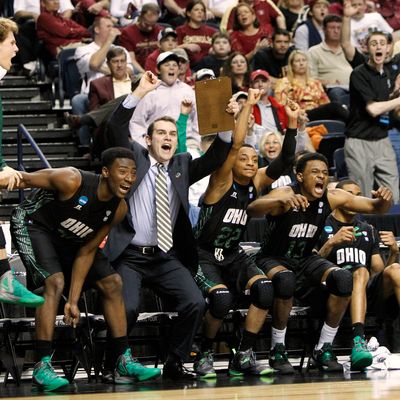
(166, 275)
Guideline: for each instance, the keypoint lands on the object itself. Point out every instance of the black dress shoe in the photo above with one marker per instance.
(176, 371)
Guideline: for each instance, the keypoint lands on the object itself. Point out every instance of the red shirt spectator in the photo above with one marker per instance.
(195, 32)
(141, 38)
(55, 30)
(244, 43)
(266, 15)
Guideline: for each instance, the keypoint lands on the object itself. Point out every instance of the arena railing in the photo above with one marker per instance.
(22, 133)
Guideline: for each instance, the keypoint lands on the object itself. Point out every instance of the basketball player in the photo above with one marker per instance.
(11, 290)
(353, 244)
(297, 215)
(225, 271)
(57, 232)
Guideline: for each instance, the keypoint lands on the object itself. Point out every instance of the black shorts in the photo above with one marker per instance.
(234, 274)
(44, 254)
(309, 272)
(376, 303)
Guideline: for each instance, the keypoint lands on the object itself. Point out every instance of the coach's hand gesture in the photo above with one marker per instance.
(148, 82)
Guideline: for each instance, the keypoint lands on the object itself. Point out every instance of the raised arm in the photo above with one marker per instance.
(380, 204)
(118, 125)
(345, 34)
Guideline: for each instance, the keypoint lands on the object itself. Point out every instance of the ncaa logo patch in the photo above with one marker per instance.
(82, 200)
(328, 229)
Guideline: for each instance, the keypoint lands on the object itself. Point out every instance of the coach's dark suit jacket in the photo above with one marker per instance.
(183, 171)
(101, 92)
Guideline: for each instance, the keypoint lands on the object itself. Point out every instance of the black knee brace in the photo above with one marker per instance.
(262, 293)
(220, 302)
(340, 282)
(284, 283)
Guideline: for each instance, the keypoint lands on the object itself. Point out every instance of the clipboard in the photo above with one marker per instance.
(212, 97)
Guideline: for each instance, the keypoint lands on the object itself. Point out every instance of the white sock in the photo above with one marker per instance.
(277, 336)
(327, 335)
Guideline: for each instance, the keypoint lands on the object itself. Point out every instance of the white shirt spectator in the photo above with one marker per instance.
(165, 100)
(33, 6)
(370, 22)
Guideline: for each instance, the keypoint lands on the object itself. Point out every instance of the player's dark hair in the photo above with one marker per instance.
(302, 161)
(248, 145)
(150, 128)
(110, 155)
(344, 182)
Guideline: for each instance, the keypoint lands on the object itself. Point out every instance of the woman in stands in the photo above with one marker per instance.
(306, 91)
(247, 36)
(237, 68)
(195, 36)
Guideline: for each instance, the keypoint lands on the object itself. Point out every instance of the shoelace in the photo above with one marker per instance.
(48, 371)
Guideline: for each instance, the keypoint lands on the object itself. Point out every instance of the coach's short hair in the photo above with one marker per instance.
(110, 155)
(150, 129)
(302, 161)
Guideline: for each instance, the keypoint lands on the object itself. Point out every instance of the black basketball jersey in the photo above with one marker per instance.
(221, 225)
(295, 233)
(76, 219)
(358, 252)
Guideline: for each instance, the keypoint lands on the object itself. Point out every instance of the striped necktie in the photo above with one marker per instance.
(164, 230)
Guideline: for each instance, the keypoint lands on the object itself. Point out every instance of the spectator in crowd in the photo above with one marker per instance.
(369, 153)
(141, 38)
(248, 36)
(297, 215)
(237, 68)
(11, 290)
(269, 115)
(351, 243)
(91, 64)
(362, 23)
(292, 11)
(163, 253)
(195, 36)
(56, 31)
(390, 10)
(274, 59)
(116, 84)
(328, 62)
(311, 32)
(26, 13)
(164, 100)
(221, 48)
(306, 91)
(167, 41)
(185, 73)
(267, 14)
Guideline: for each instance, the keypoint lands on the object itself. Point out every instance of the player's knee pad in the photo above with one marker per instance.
(340, 282)
(284, 284)
(262, 293)
(220, 302)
